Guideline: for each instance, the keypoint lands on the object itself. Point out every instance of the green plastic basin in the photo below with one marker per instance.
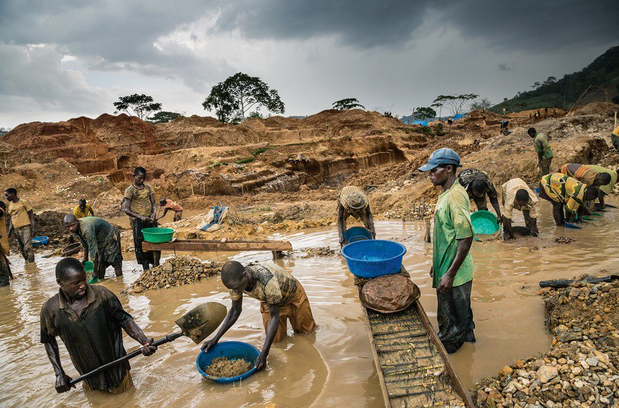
(484, 222)
(158, 235)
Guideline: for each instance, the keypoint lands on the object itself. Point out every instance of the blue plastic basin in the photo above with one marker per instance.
(232, 350)
(355, 234)
(38, 241)
(372, 258)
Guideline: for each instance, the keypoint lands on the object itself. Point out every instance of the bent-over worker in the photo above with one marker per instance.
(281, 297)
(452, 264)
(88, 319)
(169, 205)
(605, 189)
(22, 222)
(139, 204)
(353, 202)
(478, 185)
(518, 196)
(100, 240)
(83, 209)
(564, 191)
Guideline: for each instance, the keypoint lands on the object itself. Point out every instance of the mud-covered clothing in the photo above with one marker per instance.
(563, 189)
(77, 211)
(297, 310)
(542, 145)
(142, 257)
(455, 317)
(509, 199)
(607, 188)
(24, 242)
(273, 284)
(93, 338)
(580, 172)
(452, 222)
(5, 269)
(4, 240)
(544, 166)
(19, 213)
(466, 177)
(140, 199)
(102, 241)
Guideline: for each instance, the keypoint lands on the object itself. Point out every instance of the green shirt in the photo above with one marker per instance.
(452, 221)
(542, 145)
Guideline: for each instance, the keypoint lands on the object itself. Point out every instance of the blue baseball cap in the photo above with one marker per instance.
(441, 156)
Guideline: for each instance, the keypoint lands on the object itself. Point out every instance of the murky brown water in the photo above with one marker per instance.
(332, 367)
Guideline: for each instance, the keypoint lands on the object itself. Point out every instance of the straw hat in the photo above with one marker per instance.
(356, 201)
(389, 293)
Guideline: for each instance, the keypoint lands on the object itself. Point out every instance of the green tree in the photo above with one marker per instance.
(481, 104)
(423, 113)
(550, 80)
(163, 117)
(240, 93)
(346, 104)
(140, 105)
(455, 103)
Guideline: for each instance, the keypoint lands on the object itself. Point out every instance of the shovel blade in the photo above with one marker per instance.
(202, 320)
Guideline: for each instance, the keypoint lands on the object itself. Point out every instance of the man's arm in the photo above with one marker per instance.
(601, 195)
(153, 216)
(507, 227)
(261, 362)
(91, 211)
(446, 282)
(32, 225)
(539, 158)
(164, 213)
(8, 233)
(62, 380)
(495, 204)
(534, 227)
(231, 318)
(368, 215)
(341, 222)
(134, 331)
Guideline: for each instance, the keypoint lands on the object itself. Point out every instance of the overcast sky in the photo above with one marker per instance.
(66, 58)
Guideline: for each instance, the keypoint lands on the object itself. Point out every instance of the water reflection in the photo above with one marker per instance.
(332, 367)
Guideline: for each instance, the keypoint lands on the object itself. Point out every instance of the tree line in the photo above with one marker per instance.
(242, 96)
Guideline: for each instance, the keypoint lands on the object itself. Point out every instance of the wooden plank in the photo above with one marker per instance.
(201, 245)
(457, 383)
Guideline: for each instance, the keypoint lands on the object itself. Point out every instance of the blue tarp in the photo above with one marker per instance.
(421, 122)
(456, 117)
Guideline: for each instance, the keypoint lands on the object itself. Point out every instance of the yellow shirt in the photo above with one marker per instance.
(616, 131)
(509, 199)
(19, 213)
(77, 211)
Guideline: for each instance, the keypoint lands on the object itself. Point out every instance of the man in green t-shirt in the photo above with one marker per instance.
(543, 150)
(452, 265)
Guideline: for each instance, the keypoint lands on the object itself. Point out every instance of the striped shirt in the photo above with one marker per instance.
(564, 189)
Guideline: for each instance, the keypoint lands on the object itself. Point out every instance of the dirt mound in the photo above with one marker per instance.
(49, 224)
(175, 272)
(597, 108)
(583, 364)
(222, 367)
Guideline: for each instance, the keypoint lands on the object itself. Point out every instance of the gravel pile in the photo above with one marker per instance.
(175, 272)
(580, 369)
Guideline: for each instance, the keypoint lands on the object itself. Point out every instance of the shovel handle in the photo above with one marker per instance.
(134, 353)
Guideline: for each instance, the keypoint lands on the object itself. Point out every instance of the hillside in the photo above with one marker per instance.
(599, 82)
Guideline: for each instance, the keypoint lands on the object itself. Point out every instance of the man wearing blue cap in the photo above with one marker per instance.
(452, 265)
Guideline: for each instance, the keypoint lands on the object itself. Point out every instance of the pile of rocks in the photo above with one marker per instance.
(582, 367)
(315, 251)
(564, 240)
(175, 272)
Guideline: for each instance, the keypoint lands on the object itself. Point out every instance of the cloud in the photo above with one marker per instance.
(33, 79)
(506, 66)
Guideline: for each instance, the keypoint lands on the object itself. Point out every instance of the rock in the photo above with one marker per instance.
(546, 373)
(506, 371)
(574, 293)
(592, 361)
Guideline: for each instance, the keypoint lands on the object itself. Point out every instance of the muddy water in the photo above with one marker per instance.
(332, 367)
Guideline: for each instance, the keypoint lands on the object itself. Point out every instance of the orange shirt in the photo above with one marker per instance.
(172, 205)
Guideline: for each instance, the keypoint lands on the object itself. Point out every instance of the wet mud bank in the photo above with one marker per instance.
(582, 366)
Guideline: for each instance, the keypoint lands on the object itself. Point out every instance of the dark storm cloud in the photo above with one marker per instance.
(506, 66)
(529, 24)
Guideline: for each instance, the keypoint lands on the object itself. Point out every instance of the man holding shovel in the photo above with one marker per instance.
(88, 319)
